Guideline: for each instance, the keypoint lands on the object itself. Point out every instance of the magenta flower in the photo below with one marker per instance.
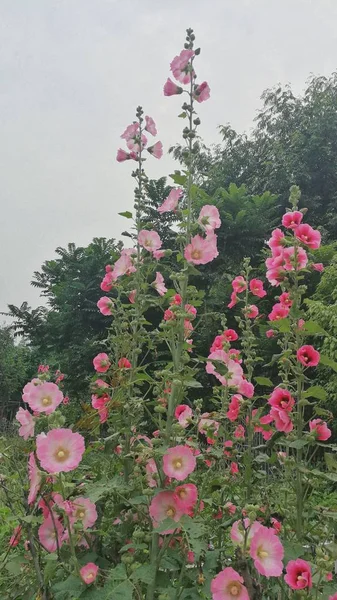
(256, 287)
(267, 552)
(318, 267)
(165, 506)
(276, 241)
(150, 125)
(169, 315)
(186, 496)
(34, 475)
(246, 388)
(179, 462)
(60, 450)
(105, 305)
(234, 407)
(282, 420)
(27, 423)
(234, 300)
(124, 363)
(159, 284)
(171, 202)
(84, 511)
(252, 311)
(285, 299)
(149, 240)
(171, 88)
(184, 415)
(89, 573)
(279, 311)
(156, 150)
(181, 66)
(270, 333)
(51, 534)
(308, 356)
(228, 585)
(291, 220)
(321, 429)
(45, 397)
(298, 575)
(334, 597)
(200, 251)
(281, 399)
(209, 218)
(101, 362)
(308, 236)
(201, 92)
(239, 284)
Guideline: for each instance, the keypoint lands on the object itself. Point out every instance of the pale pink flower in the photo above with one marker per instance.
(16, 536)
(149, 240)
(171, 202)
(27, 423)
(132, 296)
(241, 529)
(252, 311)
(181, 66)
(291, 220)
(321, 429)
(200, 251)
(34, 475)
(230, 508)
(158, 254)
(122, 266)
(240, 432)
(246, 388)
(318, 267)
(130, 132)
(282, 420)
(208, 427)
(150, 125)
(159, 284)
(165, 506)
(89, 573)
(211, 239)
(308, 356)
(178, 462)
(51, 533)
(256, 287)
(151, 469)
(289, 258)
(187, 496)
(105, 305)
(239, 284)
(122, 155)
(156, 150)
(201, 92)
(235, 372)
(281, 399)
(267, 552)
(171, 88)
(334, 597)
(101, 362)
(209, 218)
(298, 575)
(228, 585)
(270, 333)
(84, 511)
(308, 236)
(136, 143)
(60, 450)
(184, 415)
(45, 397)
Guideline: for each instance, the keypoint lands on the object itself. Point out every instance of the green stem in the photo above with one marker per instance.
(67, 521)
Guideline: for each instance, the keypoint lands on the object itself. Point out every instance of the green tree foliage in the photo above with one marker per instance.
(15, 369)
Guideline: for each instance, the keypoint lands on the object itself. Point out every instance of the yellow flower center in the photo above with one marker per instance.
(182, 494)
(81, 514)
(46, 401)
(90, 576)
(171, 511)
(177, 463)
(196, 254)
(61, 454)
(234, 588)
(262, 553)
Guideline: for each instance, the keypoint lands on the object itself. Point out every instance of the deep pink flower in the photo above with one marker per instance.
(169, 315)
(230, 335)
(318, 267)
(308, 236)
(228, 585)
(124, 363)
(234, 300)
(230, 508)
(308, 356)
(150, 240)
(45, 397)
(282, 420)
(159, 284)
(298, 575)
(165, 506)
(200, 251)
(171, 88)
(181, 66)
(16, 536)
(276, 525)
(191, 310)
(184, 414)
(27, 423)
(270, 333)
(84, 511)
(252, 311)
(321, 429)
(186, 496)
(209, 218)
(276, 241)
(267, 552)
(171, 202)
(107, 282)
(51, 533)
(334, 597)
(178, 462)
(89, 573)
(289, 258)
(240, 432)
(234, 468)
(239, 284)
(285, 299)
(281, 399)
(201, 92)
(279, 311)
(34, 476)
(105, 305)
(291, 220)
(234, 407)
(101, 362)
(256, 287)
(156, 150)
(150, 125)
(60, 450)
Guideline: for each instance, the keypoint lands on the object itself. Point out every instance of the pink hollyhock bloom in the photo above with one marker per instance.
(218, 343)
(228, 585)
(122, 266)
(136, 143)
(159, 284)
(188, 328)
(89, 573)
(208, 426)
(235, 372)
(230, 335)
(150, 240)
(239, 529)
(51, 534)
(252, 311)
(15, 539)
(101, 362)
(34, 475)
(191, 310)
(329, 577)
(279, 311)
(298, 575)
(291, 220)
(176, 300)
(318, 267)
(60, 450)
(105, 305)
(107, 283)
(200, 251)
(181, 66)
(156, 150)
(334, 597)
(45, 397)
(234, 468)
(281, 399)
(256, 287)
(187, 496)
(169, 315)
(209, 218)
(234, 300)
(132, 296)
(308, 356)
(282, 420)
(84, 511)
(211, 239)
(289, 258)
(179, 462)
(122, 155)
(321, 429)
(130, 132)
(151, 469)
(150, 125)
(190, 557)
(267, 552)
(27, 423)
(240, 432)
(124, 363)
(308, 236)
(300, 323)
(270, 333)
(165, 506)
(171, 202)
(101, 384)
(158, 254)
(184, 414)
(171, 88)
(234, 407)
(230, 508)
(276, 240)
(285, 299)
(239, 284)
(202, 92)
(276, 525)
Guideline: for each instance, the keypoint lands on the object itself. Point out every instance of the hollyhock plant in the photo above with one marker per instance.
(183, 414)
(156, 150)
(267, 552)
(318, 267)
(294, 258)
(308, 356)
(209, 218)
(234, 300)
(171, 202)
(298, 575)
(230, 335)
(51, 534)
(105, 306)
(124, 363)
(321, 429)
(308, 236)
(101, 363)
(181, 66)
(228, 585)
(239, 284)
(285, 299)
(179, 462)
(234, 407)
(27, 423)
(60, 450)
(200, 251)
(252, 311)
(240, 530)
(159, 284)
(282, 420)
(34, 475)
(84, 511)
(187, 496)
(171, 88)
(123, 156)
(279, 311)
(291, 220)
(149, 240)
(202, 92)
(165, 506)
(256, 288)
(89, 573)
(45, 397)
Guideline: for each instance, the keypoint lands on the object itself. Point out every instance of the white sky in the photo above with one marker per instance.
(72, 73)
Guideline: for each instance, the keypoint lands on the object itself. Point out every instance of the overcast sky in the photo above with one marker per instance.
(72, 73)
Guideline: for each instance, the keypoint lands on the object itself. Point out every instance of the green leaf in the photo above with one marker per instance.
(121, 591)
(328, 362)
(69, 588)
(283, 325)
(182, 115)
(178, 178)
(292, 550)
(298, 444)
(192, 383)
(127, 214)
(264, 381)
(313, 327)
(330, 461)
(145, 573)
(316, 391)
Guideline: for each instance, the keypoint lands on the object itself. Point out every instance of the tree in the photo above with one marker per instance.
(15, 370)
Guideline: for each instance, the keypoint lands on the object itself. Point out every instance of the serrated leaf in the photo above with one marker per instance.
(127, 214)
(178, 178)
(145, 573)
(330, 461)
(265, 381)
(316, 391)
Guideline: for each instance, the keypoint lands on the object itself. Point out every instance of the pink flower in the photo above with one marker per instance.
(181, 66)
(51, 533)
(211, 239)
(279, 311)
(122, 155)
(45, 397)
(191, 310)
(124, 363)
(132, 296)
(276, 525)
(208, 426)
(240, 529)
(171, 88)
(209, 218)
(282, 420)
(202, 92)
(234, 300)
(228, 585)
(186, 496)
(84, 511)
(159, 284)
(165, 506)
(289, 259)
(285, 299)
(318, 267)
(334, 597)
(105, 305)
(270, 333)
(235, 372)
(150, 240)
(239, 432)
(234, 407)
(276, 240)
(184, 414)
(308, 236)
(252, 311)
(179, 462)
(171, 202)
(281, 399)
(169, 315)
(150, 125)
(156, 150)
(291, 220)
(15, 539)
(256, 287)
(321, 429)
(298, 575)
(239, 284)
(230, 335)
(230, 508)
(151, 469)
(60, 450)
(158, 254)
(107, 283)
(27, 423)
(200, 251)
(122, 266)
(130, 132)
(234, 468)
(308, 356)
(89, 573)
(34, 475)
(267, 552)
